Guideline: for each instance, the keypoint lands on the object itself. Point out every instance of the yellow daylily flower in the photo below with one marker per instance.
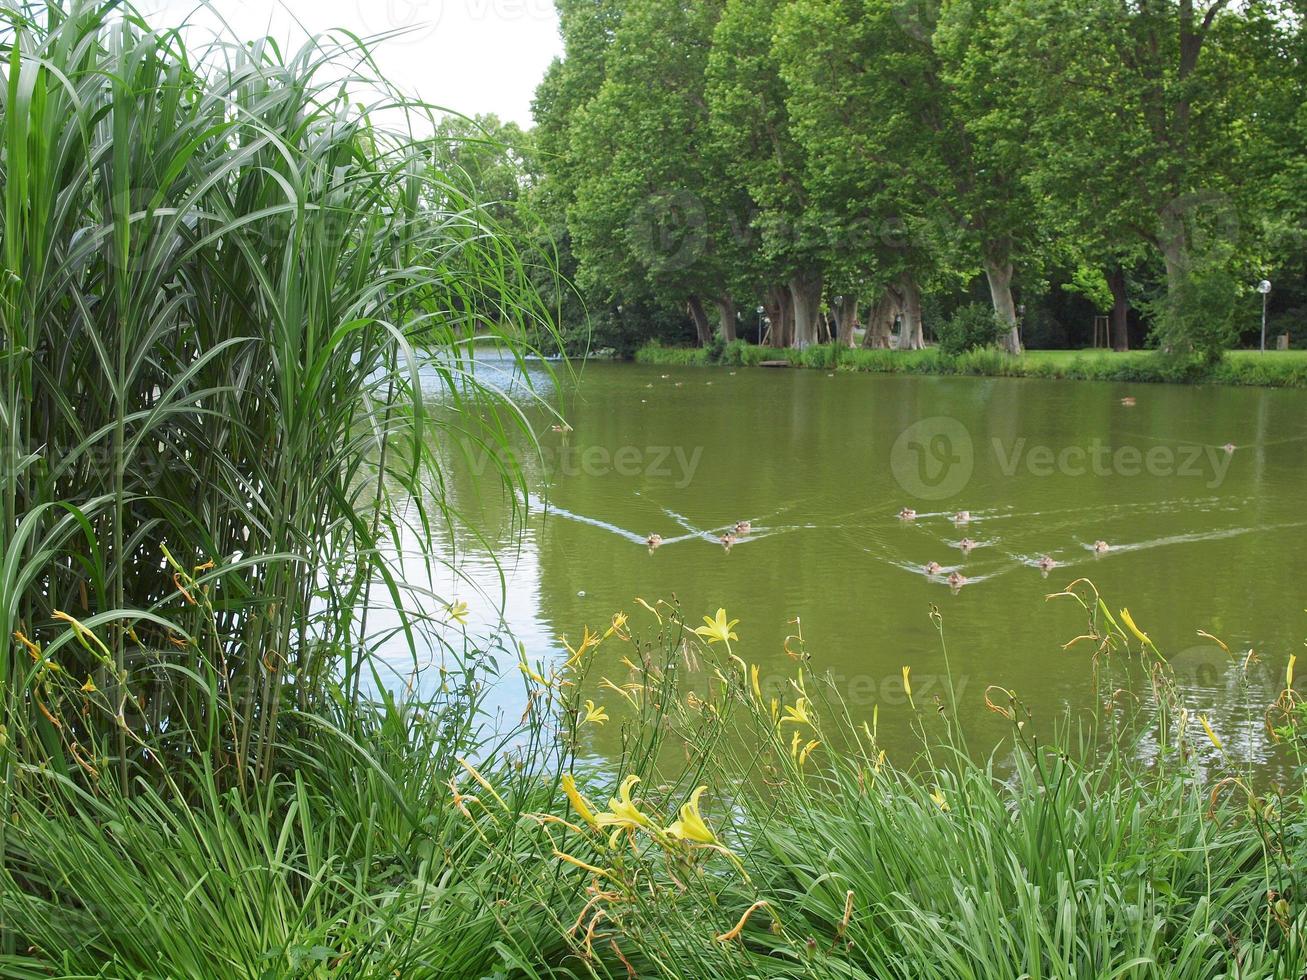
(799, 752)
(606, 683)
(594, 715)
(588, 640)
(1288, 674)
(753, 680)
(1211, 735)
(651, 609)
(579, 802)
(907, 681)
(798, 714)
(619, 624)
(938, 797)
(691, 826)
(89, 687)
(1139, 634)
(457, 611)
(624, 811)
(718, 630)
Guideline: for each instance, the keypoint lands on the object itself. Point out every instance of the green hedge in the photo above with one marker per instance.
(1248, 368)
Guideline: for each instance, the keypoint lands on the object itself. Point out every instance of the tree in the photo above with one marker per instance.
(750, 124)
(651, 212)
(1136, 114)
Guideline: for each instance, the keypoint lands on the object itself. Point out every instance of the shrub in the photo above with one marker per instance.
(970, 327)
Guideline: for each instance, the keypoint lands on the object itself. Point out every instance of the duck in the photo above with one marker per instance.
(956, 581)
(727, 540)
(1230, 447)
(907, 514)
(934, 568)
(1047, 564)
(1101, 547)
(1128, 401)
(562, 428)
(966, 544)
(654, 541)
(743, 527)
(962, 517)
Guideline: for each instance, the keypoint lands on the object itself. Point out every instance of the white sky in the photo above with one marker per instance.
(472, 56)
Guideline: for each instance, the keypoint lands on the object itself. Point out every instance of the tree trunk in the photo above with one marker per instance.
(911, 335)
(701, 325)
(846, 320)
(780, 310)
(726, 317)
(1120, 309)
(999, 274)
(880, 321)
(805, 288)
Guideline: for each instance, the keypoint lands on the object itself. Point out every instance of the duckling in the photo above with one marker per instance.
(956, 581)
(654, 541)
(907, 514)
(1047, 564)
(743, 527)
(934, 568)
(962, 517)
(1230, 447)
(727, 540)
(1128, 401)
(966, 544)
(1101, 547)
(561, 428)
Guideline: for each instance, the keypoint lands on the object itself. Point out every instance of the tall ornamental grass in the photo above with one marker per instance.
(225, 285)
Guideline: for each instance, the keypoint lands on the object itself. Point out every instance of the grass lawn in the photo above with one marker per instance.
(1277, 369)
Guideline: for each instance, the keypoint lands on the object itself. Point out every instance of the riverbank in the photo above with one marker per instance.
(1274, 369)
(403, 838)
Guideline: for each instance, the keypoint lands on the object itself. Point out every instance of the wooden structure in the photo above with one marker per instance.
(1102, 331)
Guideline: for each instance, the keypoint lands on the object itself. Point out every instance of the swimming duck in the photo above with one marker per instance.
(1047, 564)
(934, 568)
(1230, 447)
(962, 517)
(907, 514)
(1101, 547)
(1128, 401)
(956, 581)
(743, 527)
(562, 428)
(727, 540)
(966, 544)
(654, 541)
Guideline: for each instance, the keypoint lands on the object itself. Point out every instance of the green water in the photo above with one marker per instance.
(822, 465)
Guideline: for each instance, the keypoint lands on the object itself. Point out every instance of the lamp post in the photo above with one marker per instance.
(761, 311)
(1264, 287)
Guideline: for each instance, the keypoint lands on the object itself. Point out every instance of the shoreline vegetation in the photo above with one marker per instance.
(1273, 369)
(735, 834)
(237, 314)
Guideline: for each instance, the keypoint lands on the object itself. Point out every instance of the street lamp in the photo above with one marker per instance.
(761, 311)
(1264, 287)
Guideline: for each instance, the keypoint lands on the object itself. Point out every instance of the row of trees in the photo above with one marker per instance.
(840, 162)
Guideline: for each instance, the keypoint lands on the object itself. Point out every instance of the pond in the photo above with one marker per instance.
(1197, 491)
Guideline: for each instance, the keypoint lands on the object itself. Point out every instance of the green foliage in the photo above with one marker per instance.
(970, 327)
(229, 293)
(1197, 316)
(1245, 368)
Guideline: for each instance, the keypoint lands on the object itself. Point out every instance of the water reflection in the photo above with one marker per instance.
(1200, 538)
